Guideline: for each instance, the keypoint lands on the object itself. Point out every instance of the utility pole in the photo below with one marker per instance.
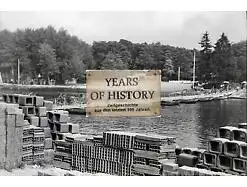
(194, 69)
(179, 73)
(18, 71)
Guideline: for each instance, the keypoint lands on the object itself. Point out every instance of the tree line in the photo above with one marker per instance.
(223, 60)
(55, 54)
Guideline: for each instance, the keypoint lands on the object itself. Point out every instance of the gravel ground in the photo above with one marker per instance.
(32, 170)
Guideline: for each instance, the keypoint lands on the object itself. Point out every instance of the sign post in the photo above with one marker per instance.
(123, 93)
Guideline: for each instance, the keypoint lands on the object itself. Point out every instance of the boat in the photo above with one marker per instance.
(170, 103)
(205, 99)
(72, 109)
(189, 101)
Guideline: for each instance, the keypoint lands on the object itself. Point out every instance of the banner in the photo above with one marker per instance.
(123, 92)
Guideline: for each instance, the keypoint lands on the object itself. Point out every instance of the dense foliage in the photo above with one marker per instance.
(223, 61)
(55, 54)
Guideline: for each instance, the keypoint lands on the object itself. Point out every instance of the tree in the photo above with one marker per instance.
(205, 66)
(113, 61)
(47, 61)
(223, 61)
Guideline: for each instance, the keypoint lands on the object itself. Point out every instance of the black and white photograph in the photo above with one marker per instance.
(123, 93)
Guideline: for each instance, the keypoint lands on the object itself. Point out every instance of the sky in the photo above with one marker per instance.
(176, 28)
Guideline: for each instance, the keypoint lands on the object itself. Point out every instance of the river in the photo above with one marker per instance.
(192, 124)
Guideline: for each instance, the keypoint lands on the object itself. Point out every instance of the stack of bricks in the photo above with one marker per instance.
(149, 150)
(227, 153)
(27, 147)
(62, 136)
(37, 140)
(92, 155)
(11, 132)
(122, 153)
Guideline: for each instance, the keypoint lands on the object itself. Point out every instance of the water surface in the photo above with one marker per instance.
(192, 124)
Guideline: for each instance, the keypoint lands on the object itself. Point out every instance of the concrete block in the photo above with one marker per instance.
(11, 109)
(187, 160)
(35, 129)
(27, 158)
(209, 159)
(170, 173)
(11, 98)
(178, 151)
(34, 120)
(10, 142)
(242, 125)
(38, 156)
(19, 120)
(54, 136)
(232, 148)
(6, 98)
(19, 111)
(38, 138)
(74, 128)
(239, 165)
(38, 148)
(2, 126)
(61, 117)
(62, 127)
(48, 105)
(38, 101)
(224, 162)
(239, 135)
(19, 135)
(16, 98)
(243, 151)
(225, 132)
(26, 149)
(49, 155)
(62, 136)
(26, 100)
(28, 110)
(169, 165)
(216, 145)
(49, 115)
(43, 122)
(2, 150)
(198, 153)
(51, 125)
(187, 150)
(40, 111)
(3, 107)
(48, 143)
(26, 123)
(47, 132)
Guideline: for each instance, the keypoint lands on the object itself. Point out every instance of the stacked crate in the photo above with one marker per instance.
(11, 132)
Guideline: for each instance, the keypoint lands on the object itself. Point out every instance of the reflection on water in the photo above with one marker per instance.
(191, 124)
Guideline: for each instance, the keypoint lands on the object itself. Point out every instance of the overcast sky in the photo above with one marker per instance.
(183, 29)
